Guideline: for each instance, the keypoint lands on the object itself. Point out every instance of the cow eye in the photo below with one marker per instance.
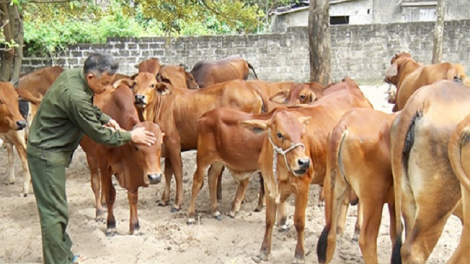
(279, 135)
(302, 96)
(136, 148)
(152, 86)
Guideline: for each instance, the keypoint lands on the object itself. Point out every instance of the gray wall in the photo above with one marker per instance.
(362, 52)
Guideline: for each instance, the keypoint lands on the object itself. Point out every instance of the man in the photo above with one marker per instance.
(65, 114)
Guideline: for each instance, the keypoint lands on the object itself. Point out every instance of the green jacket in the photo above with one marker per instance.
(65, 114)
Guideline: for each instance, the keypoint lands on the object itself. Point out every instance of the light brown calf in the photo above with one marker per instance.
(134, 165)
(358, 160)
(282, 180)
(426, 189)
(12, 125)
(408, 76)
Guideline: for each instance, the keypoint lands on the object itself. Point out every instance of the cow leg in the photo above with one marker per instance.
(335, 192)
(177, 166)
(219, 184)
(301, 199)
(282, 217)
(270, 219)
(168, 174)
(11, 163)
(214, 171)
(20, 144)
(239, 197)
(261, 194)
(343, 212)
(357, 226)
(110, 196)
(372, 210)
(321, 197)
(198, 182)
(133, 197)
(96, 187)
(461, 253)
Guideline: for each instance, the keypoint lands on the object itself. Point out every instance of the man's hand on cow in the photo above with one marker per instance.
(113, 124)
(142, 136)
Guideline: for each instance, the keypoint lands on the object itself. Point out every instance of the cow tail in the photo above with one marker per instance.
(402, 139)
(253, 69)
(459, 138)
(327, 241)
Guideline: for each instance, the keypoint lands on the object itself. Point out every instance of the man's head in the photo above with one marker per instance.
(99, 71)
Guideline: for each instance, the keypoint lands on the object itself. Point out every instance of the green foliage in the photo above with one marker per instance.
(83, 22)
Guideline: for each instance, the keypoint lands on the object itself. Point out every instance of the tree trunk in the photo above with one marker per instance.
(438, 32)
(319, 41)
(17, 15)
(8, 54)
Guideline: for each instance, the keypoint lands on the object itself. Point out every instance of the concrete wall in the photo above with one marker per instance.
(362, 52)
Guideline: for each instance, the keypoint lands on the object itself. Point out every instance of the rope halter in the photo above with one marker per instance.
(279, 150)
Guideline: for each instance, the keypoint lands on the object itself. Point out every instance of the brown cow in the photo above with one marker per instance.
(358, 157)
(281, 160)
(178, 77)
(134, 165)
(426, 189)
(459, 156)
(177, 114)
(33, 86)
(219, 140)
(408, 76)
(12, 125)
(207, 73)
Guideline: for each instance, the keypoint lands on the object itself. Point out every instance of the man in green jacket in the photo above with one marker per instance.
(65, 114)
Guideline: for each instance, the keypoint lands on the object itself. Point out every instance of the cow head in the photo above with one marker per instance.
(285, 132)
(303, 93)
(148, 157)
(146, 88)
(391, 76)
(10, 116)
(190, 81)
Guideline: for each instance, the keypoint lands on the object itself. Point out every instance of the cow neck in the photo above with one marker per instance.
(152, 111)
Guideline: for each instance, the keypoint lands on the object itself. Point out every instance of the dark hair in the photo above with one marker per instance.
(99, 63)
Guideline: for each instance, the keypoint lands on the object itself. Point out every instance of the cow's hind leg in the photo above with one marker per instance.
(198, 182)
(214, 171)
(110, 196)
(372, 215)
(239, 197)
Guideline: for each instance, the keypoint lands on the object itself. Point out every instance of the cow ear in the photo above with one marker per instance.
(280, 97)
(256, 126)
(163, 89)
(158, 77)
(392, 70)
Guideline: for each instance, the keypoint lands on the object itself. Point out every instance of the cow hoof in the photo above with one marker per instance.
(100, 219)
(162, 203)
(260, 257)
(283, 228)
(135, 233)
(175, 210)
(217, 215)
(258, 209)
(191, 221)
(298, 261)
(232, 214)
(22, 194)
(355, 239)
(111, 232)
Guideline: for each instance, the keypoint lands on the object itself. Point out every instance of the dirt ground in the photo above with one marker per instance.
(165, 236)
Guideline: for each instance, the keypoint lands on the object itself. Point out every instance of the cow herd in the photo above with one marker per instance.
(291, 134)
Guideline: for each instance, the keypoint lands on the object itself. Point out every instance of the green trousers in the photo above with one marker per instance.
(49, 188)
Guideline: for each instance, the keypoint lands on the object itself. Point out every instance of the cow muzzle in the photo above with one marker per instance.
(140, 100)
(20, 124)
(154, 178)
(303, 164)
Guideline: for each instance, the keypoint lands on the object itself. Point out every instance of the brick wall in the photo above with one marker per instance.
(362, 52)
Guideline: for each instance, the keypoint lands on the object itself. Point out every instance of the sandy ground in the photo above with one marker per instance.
(165, 236)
